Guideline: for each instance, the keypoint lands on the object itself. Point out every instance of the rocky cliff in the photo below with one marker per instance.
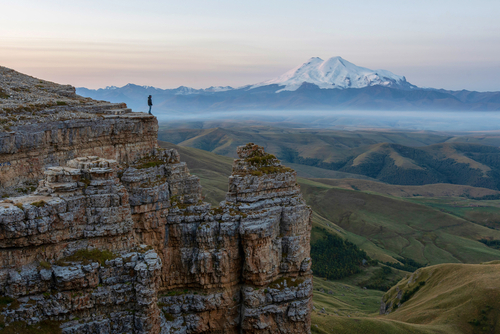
(116, 237)
(45, 124)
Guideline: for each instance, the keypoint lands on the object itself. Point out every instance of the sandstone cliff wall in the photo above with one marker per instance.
(106, 248)
(26, 151)
(113, 235)
(44, 124)
(68, 253)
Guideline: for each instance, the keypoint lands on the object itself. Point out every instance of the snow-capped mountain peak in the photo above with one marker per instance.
(335, 72)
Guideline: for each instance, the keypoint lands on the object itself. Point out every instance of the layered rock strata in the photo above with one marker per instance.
(116, 238)
(44, 124)
(68, 253)
(243, 267)
(106, 248)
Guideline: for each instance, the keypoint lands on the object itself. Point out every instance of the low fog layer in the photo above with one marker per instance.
(351, 120)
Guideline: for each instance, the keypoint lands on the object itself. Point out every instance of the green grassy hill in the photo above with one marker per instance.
(389, 227)
(328, 145)
(403, 158)
(457, 163)
(445, 298)
(459, 298)
(388, 222)
(428, 190)
(347, 309)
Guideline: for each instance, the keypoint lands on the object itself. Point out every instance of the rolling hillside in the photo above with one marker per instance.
(455, 297)
(402, 158)
(389, 221)
(445, 298)
(455, 163)
(327, 145)
(428, 190)
(385, 227)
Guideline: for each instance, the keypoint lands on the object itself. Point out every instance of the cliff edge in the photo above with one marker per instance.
(44, 124)
(114, 237)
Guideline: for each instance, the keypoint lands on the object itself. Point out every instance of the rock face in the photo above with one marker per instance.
(45, 124)
(127, 245)
(68, 253)
(105, 248)
(243, 267)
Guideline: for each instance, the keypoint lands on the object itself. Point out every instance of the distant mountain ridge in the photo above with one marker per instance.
(334, 84)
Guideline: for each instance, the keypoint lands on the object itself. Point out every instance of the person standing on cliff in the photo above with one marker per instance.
(150, 104)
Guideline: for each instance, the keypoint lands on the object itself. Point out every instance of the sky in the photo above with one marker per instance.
(167, 44)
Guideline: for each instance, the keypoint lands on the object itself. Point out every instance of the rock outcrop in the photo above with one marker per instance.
(245, 264)
(68, 253)
(45, 124)
(123, 242)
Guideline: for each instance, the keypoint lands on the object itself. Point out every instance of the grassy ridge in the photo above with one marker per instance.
(342, 308)
(428, 190)
(486, 213)
(409, 158)
(385, 227)
(397, 227)
(464, 298)
(331, 145)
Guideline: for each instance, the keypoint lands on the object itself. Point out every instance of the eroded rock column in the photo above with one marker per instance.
(109, 248)
(275, 233)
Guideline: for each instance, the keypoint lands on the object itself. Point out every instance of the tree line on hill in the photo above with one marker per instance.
(336, 258)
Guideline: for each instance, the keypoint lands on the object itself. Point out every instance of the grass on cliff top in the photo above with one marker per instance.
(3, 95)
(5, 301)
(264, 164)
(39, 204)
(148, 162)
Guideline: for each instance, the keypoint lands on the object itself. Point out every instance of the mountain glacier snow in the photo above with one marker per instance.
(335, 73)
(333, 84)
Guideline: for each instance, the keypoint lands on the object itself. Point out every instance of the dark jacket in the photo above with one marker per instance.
(150, 102)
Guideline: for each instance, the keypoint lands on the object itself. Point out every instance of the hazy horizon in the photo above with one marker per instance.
(445, 44)
(441, 121)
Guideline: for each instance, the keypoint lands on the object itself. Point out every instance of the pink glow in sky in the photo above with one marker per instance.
(441, 44)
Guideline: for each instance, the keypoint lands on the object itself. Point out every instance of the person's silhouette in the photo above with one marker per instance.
(150, 104)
